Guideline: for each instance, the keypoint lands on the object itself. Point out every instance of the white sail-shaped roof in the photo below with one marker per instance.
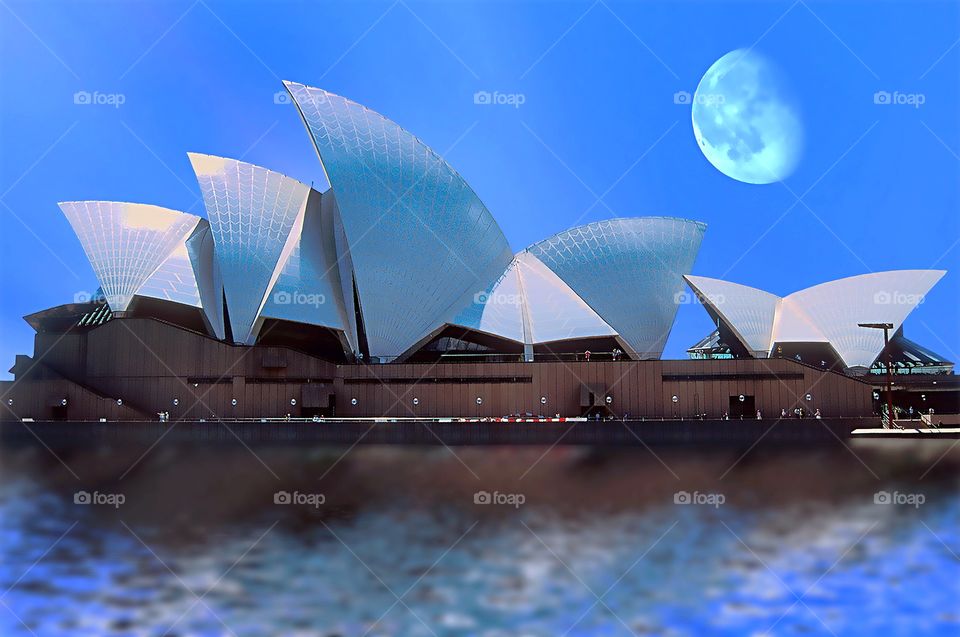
(499, 310)
(555, 311)
(792, 324)
(255, 218)
(530, 304)
(309, 288)
(174, 280)
(206, 272)
(344, 266)
(827, 313)
(629, 271)
(421, 241)
(836, 307)
(126, 242)
(749, 312)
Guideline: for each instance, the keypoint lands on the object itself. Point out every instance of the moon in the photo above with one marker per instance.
(745, 119)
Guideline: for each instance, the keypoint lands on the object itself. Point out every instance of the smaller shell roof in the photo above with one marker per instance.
(828, 313)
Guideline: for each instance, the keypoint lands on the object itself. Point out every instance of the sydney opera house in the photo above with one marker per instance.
(395, 293)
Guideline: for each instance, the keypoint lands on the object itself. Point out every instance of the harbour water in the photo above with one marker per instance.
(293, 539)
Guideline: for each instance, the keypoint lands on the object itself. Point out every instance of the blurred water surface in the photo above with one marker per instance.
(799, 544)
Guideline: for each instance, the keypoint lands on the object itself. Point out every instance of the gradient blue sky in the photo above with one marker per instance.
(880, 184)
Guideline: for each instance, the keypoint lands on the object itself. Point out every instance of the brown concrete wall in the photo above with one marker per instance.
(149, 364)
(37, 400)
(152, 364)
(636, 387)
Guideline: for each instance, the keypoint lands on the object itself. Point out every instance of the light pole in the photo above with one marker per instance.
(886, 327)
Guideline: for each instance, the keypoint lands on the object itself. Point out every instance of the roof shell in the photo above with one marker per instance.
(421, 241)
(748, 311)
(629, 271)
(836, 308)
(206, 272)
(530, 304)
(126, 243)
(174, 280)
(255, 217)
(308, 289)
(827, 313)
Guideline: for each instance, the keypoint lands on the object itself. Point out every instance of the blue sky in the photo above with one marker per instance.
(598, 134)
